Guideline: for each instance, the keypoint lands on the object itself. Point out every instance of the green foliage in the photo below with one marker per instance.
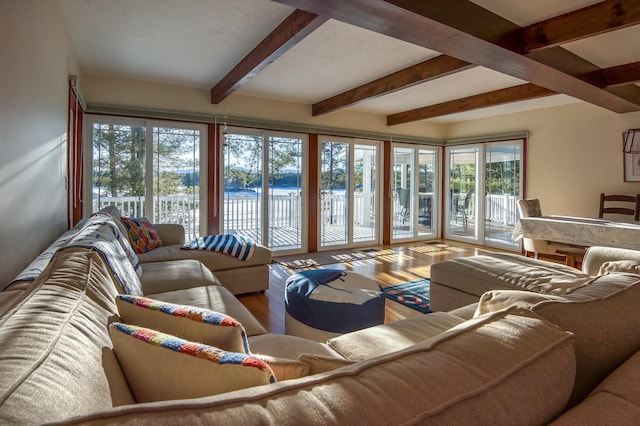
(119, 153)
(503, 178)
(120, 157)
(462, 177)
(334, 163)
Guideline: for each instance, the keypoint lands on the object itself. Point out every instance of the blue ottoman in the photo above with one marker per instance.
(325, 303)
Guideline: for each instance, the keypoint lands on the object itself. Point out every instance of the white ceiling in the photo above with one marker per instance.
(197, 42)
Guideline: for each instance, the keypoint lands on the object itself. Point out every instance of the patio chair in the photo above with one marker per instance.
(403, 204)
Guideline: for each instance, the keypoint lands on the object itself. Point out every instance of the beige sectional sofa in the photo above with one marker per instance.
(515, 357)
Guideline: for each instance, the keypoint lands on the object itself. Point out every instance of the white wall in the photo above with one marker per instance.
(574, 153)
(36, 59)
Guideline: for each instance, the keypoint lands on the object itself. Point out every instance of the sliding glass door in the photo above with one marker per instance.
(414, 188)
(348, 192)
(264, 182)
(148, 168)
(462, 189)
(493, 170)
(504, 187)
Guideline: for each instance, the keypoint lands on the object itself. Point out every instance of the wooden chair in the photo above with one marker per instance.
(617, 209)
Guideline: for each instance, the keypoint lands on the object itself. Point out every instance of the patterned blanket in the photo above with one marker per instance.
(233, 245)
(106, 234)
(98, 234)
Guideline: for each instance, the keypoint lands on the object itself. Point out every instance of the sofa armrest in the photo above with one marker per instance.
(596, 256)
(170, 233)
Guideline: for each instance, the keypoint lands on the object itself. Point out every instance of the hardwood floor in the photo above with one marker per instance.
(391, 265)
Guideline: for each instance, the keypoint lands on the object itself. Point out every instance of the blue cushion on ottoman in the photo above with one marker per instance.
(334, 301)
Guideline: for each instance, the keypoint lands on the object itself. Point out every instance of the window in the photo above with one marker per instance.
(349, 192)
(483, 187)
(150, 169)
(258, 163)
(415, 192)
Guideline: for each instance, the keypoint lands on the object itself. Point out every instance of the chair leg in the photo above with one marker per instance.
(570, 261)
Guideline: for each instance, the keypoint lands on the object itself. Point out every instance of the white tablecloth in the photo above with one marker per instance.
(579, 231)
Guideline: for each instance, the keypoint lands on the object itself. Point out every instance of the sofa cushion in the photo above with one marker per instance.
(213, 260)
(320, 364)
(627, 266)
(616, 401)
(489, 370)
(286, 346)
(142, 235)
(278, 350)
(184, 321)
(122, 236)
(283, 368)
(496, 300)
(170, 233)
(116, 214)
(55, 351)
(596, 256)
(215, 298)
(373, 341)
(159, 366)
(603, 316)
(478, 274)
(101, 234)
(160, 277)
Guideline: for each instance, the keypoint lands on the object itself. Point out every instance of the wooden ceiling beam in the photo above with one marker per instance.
(596, 19)
(615, 76)
(291, 30)
(497, 97)
(437, 67)
(618, 76)
(465, 31)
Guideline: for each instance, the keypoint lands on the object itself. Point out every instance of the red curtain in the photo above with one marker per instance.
(74, 160)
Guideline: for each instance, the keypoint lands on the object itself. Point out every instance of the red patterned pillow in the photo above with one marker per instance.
(142, 234)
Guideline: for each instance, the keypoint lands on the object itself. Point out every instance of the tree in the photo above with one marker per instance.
(244, 156)
(119, 153)
(173, 150)
(334, 161)
(284, 153)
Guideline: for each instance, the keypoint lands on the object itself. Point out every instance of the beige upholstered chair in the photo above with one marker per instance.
(531, 208)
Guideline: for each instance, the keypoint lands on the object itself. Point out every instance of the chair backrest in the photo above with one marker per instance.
(468, 198)
(404, 199)
(632, 210)
(529, 207)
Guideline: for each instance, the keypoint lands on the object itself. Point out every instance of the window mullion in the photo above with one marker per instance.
(149, 203)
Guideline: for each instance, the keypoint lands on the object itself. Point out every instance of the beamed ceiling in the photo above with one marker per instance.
(440, 61)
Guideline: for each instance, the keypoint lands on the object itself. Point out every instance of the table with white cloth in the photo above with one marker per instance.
(579, 231)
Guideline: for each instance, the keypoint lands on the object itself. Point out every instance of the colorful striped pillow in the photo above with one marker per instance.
(160, 367)
(189, 322)
(142, 235)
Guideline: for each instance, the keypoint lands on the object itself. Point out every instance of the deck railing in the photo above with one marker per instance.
(179, 209)
(243, 212)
